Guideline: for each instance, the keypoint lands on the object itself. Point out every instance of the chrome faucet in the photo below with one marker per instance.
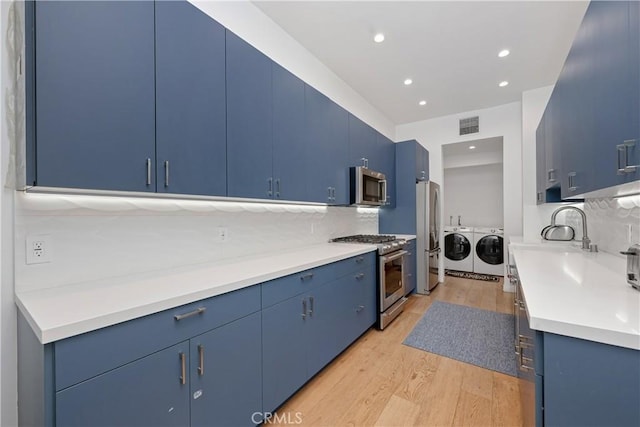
(586, 242)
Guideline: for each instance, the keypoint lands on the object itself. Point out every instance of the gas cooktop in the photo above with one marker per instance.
(386, 243)
(365, 238)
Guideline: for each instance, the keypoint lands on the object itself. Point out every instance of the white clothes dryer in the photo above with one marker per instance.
(458, 248)
(488, 254)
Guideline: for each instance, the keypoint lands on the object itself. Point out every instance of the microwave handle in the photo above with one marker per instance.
(383, 184)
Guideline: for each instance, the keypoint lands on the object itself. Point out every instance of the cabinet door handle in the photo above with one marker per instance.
(278, 188)
(306, 276)
(270, 190)
(166, 173)
(310, 306)
(329, 193)
(623, 148)
(550, 177)
(200, 360)
(183, 368)
(360, 276)
(148, 171)
(359, 260)
(572, 186)
(359, 308)
(304, 308)
(199, 310)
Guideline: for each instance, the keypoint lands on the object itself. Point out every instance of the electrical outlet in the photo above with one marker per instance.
(39, 249)
(223, 234)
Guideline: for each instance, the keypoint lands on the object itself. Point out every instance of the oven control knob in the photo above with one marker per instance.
(386, 247)
(394, 245)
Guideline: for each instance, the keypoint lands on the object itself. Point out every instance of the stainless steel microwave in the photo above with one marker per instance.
(368, 187)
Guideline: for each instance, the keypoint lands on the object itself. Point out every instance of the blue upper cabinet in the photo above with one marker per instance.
(95, 113)
(363, 150)
(288, 136)
(616, 59)
(422, 162)
(593, 117)
(387, 160)
(327, 126)
(190, 101)
(249, 121)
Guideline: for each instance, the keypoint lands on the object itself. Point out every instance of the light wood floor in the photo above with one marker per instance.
(379, 381)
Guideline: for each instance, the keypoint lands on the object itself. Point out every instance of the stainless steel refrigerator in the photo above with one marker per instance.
(427, 236)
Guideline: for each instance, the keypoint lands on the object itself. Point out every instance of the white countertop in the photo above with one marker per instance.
(62, 312)
(579, 294)
(405, 236)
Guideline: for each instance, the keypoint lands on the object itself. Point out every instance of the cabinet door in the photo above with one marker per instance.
(327, 149)
(327, 332)
(410, 265)
(95, 114)
(387, 151)
(226, 374)
(190, 101)
(147, 392)
(284, 352)
(422, 162)
(577, 108)
(249, 121)
(540, 161)
(617, 90)
(288, 136)
(363, 144)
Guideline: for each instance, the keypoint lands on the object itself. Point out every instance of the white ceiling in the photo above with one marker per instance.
(449, 49)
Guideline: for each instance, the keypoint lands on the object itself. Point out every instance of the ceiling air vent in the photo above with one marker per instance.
(469, 125)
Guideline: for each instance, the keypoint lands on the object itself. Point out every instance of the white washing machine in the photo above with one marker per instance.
(458, 248)
(488, 253)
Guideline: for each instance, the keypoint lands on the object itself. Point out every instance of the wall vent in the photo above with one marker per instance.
(469, 125)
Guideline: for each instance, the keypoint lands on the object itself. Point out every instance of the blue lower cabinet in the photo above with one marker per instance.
(303, 333)
(147, 392)
(284, 353)
(410, 267)
(226, 374)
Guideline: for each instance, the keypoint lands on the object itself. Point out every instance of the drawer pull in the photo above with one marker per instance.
(201, 360)
(183, 368)
(360, 276)
(359, 259)
(306, 276)
(197, 311)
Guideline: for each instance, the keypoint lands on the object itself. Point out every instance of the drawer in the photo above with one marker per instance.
(85, 356)
(277, 290)
(354, 264)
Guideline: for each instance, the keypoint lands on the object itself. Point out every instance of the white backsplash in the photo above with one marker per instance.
(609, 221)
(100, 237)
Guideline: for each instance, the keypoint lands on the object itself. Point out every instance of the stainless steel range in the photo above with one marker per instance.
(391, 266)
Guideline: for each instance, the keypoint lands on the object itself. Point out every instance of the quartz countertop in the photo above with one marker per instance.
(579, 294)
(65, 311)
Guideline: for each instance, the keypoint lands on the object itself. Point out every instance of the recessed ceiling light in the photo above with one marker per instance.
(407, 82)
(472, 147)
(503, 53)
(378, 38)
(423, 102)
(503, 83)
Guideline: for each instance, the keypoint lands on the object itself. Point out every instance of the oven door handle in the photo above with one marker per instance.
(394, 256)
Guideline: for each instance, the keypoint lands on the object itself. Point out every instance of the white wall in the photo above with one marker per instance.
(99, 237)
(252, 25)
(473, 159)
(474, 193)
(503, 121)
(10, 119)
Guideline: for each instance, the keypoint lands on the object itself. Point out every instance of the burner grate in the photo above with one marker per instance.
(365, 238)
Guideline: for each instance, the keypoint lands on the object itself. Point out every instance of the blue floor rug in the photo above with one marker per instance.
(479, 337)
